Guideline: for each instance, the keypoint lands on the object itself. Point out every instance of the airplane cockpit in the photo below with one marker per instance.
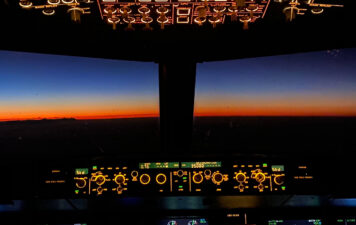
(177, 112)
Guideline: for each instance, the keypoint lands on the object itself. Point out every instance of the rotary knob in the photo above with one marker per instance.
(279, 180)
(198, 178)
(145, 179)
(100, 180)
(80, 183)
(260, 177)
(217, 178)
(161, 178)
(240, 177)
(120, 179)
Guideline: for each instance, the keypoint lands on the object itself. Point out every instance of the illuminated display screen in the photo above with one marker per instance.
(346, 221)
(201, 165)
(295, 222)
(278, 168)
(185, 221)
(81, 171)
(159, 165)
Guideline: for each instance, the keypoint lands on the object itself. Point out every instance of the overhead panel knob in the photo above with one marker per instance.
(161, 178)
(260, 177)
(145, 179)
(245, 20)
(240, 177)
(279, 179)
(198, 178)
(100, 180)
(80, 183)
(75, 14)
(120, 179)
(217, 178)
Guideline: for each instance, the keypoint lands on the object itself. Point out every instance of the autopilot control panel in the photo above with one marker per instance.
(184, 177)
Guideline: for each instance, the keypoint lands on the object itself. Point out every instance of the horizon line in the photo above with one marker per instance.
(138, 116)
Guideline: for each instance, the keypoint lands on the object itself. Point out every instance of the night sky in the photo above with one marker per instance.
(37, 86)
(307, 84)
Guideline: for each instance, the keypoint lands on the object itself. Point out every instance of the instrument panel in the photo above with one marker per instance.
(182, 177)
(190, 177)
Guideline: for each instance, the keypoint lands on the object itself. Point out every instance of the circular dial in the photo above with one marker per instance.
(120, 179)
(100, 180)
(279, 180)
(217, 178)
(145, 179)
(240, 177)
(260, 177)
(207, 172)
(161, 178)
(99, 190)
(180, 173)
(134, 173)
(80, 183)
(198, 178)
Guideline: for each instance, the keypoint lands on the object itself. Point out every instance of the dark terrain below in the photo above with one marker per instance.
(258, 135)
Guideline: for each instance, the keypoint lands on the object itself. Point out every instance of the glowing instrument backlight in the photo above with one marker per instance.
(159, 165)
(186, 165)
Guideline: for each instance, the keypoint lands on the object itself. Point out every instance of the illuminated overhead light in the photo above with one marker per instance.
(183, 11)
(245, 20)
(183, 19)
(113, 21)
(110, 10)
(317, 10)
(75, 13)
(162, 20)
(233, 9)
(53, 2)
(125, 10)
(129, 19)
(200, 20)
(219, 9)
(25, 4)
(48, 12)
(214, 20)
(144, 10)
(290, 13)
(233, 12)
(162, 10)
(252, 8)
(147, 20)
(67, 1)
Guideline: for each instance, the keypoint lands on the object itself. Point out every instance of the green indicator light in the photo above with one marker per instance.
(283, 188)
(340, 221)
(184, 178)
(180, 186)
(264, 165)
(77, 191)
(95, 167)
